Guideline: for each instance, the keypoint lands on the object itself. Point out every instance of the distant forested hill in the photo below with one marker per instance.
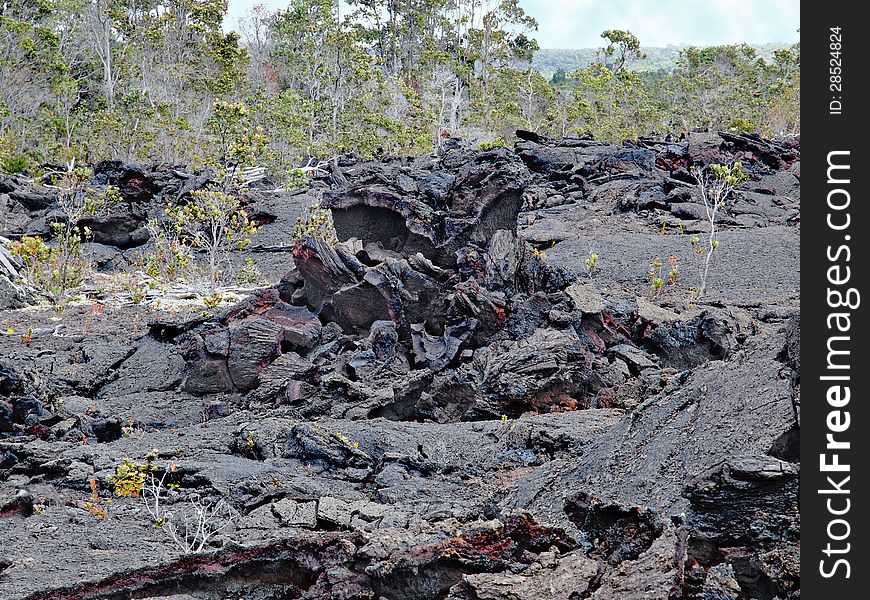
(549, 60)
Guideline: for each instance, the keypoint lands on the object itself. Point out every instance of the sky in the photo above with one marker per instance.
(579, 23)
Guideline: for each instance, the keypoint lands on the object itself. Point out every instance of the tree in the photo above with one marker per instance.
(138, 80)
(719, 87)
(623, 47)
(101, 26)
(256, 30)
(612, 102)
(783, 97)
(535, 99)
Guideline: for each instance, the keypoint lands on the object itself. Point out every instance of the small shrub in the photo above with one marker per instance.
(14, 164)
(129, 478)
(316, 222)
(498, 142)
(10, 162)
(249, 273)
(57, 269)
(172, 258)
(95, 505)
(674, 272)
(53, 270)
(215, 222)
(102, 202)
(296, 178)
(212, 301)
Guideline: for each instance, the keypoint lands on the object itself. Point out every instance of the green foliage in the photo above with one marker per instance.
(724, 87)
(663, 274)
(172, 258)
(559, 77)
(623, 46)
(657, 60)
(591, 264)
(249, 273)
(159, 80)
(730, 175)
(102, 202)
(241, 143)
(213, 300)
(13, 164)
(316, 222)
(215, 222)
(492, 144)
(611, 105)
(129, 478)
(57, 269)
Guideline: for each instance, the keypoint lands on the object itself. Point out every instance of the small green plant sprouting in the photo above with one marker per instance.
(27, 336)
(716, 183)
(660, 276)
(673, 270)
(250, 444)
(346, 440)
(137, 293)
(591, 264)
(316, 222)
(39, 507)
(127, 431)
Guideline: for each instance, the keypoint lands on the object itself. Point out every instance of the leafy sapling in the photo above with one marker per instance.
(213, 219)
(591, 264)
(716, 183)
(214, 222)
